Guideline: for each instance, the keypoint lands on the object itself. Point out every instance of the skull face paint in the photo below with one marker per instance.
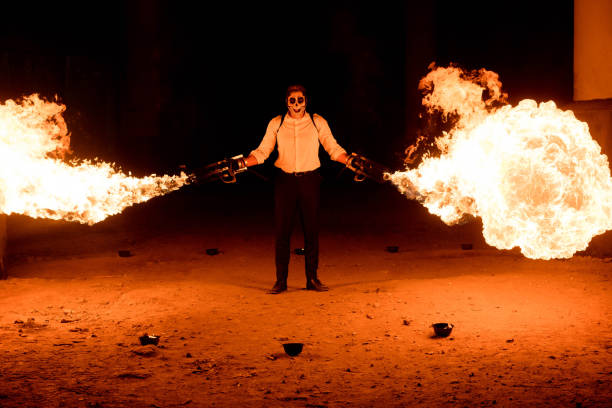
(296, 104)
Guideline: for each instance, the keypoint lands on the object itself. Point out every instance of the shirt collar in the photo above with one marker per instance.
(291, 120)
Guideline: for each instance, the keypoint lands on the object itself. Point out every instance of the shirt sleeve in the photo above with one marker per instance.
(268, 142)
(327, 139)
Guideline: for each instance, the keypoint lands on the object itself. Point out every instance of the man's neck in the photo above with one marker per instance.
(293, 115)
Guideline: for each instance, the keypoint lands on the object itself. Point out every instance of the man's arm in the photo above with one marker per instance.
(259, 155)
(331, 146)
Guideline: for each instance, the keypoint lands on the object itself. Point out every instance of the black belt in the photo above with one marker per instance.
(301, 173)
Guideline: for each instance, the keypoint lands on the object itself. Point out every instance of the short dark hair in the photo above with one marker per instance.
(296, 88)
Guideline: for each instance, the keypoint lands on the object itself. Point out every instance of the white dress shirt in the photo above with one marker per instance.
(298, 143)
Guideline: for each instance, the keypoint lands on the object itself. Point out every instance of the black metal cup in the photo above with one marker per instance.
(293, 349)
(442, 329)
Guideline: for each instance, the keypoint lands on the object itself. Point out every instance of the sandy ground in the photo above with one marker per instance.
(527, 333)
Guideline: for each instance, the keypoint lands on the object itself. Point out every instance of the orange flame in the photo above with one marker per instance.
(35, 180)
(531, 172)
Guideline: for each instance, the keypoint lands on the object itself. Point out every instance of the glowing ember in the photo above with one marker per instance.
(35, 180)
(532, 172)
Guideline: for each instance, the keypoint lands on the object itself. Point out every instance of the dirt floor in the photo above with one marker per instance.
(527, 333)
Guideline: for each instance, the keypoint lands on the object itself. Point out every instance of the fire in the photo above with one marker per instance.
(36, 179)
(531, 172)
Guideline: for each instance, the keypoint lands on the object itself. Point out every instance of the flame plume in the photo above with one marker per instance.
(37, 181)
(531, 172)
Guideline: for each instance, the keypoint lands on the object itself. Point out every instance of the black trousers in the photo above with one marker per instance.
(297, 194)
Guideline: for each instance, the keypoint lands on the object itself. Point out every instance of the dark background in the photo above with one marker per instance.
(152, 84)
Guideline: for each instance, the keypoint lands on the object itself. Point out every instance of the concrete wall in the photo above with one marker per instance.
(2, 245)
(593, 84)
(598, 115)
(592, 49)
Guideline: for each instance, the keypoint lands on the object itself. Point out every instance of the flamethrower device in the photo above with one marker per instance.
(227, 169)
(366, 168)
(224, 170)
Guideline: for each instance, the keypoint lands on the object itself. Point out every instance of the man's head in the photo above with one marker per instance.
(296, 101)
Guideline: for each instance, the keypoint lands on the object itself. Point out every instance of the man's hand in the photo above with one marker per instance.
(251, 160)
(343, 158)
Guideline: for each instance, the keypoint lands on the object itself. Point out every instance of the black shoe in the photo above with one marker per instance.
(278, 288)
(315, 284)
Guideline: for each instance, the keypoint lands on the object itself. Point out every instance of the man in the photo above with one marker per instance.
(297, 134)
